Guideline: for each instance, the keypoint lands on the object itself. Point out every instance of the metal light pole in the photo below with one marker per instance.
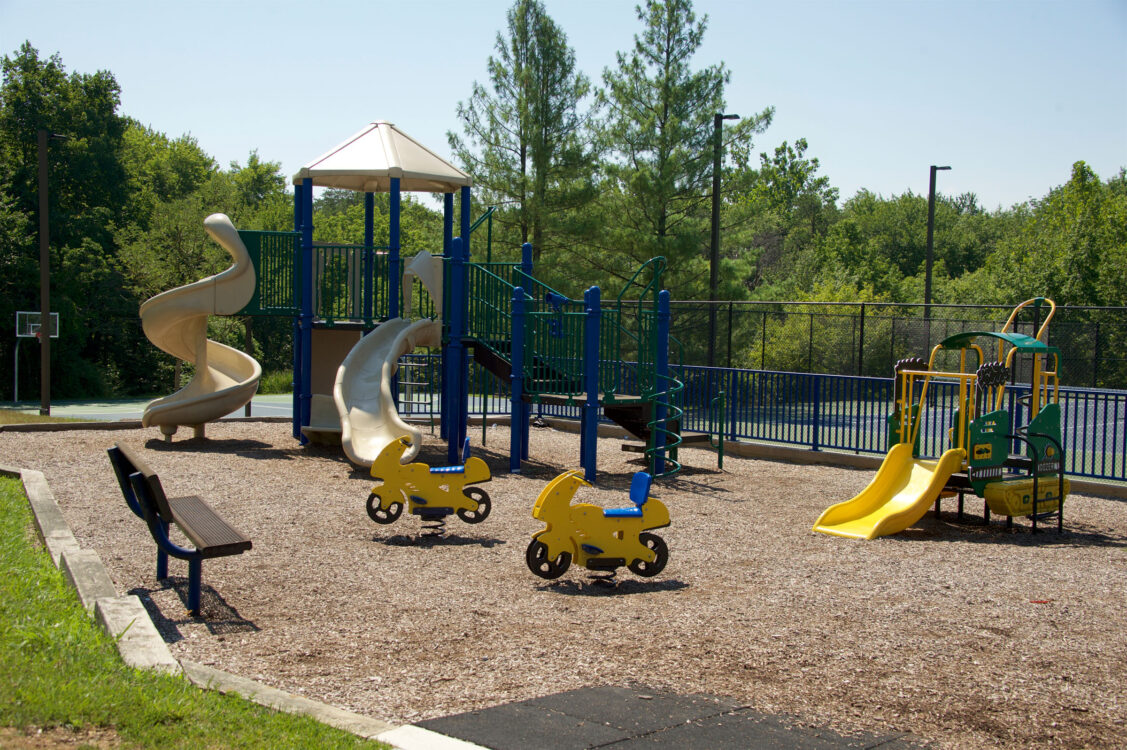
(930, 240)
(714, 252)
(44, 277)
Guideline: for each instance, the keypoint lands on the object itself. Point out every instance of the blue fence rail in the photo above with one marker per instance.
(849, 413)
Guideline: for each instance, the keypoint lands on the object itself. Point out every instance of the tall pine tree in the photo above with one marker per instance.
(659, 125)
(525, 142)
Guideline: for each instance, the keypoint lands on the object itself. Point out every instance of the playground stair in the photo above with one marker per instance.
(496, 357)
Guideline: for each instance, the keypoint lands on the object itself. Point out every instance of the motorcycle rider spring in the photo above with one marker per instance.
(608, 578)
(434, 528)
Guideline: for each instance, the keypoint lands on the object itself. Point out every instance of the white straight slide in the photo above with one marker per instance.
(362, 392)
(176, 322)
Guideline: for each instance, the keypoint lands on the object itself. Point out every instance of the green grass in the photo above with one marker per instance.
(60, 670)
(278, 381)
(11, 416)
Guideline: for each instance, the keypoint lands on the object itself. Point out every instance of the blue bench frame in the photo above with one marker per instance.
(213, 537)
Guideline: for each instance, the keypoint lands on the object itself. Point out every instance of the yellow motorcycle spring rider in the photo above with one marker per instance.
(599, 539)
(432, 493)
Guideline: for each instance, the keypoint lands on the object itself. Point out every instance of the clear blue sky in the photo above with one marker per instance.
(1009, 93)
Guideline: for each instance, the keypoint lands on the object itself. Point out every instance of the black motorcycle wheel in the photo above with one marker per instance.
(657, 544)
(537, 558)
(483, 505)
(380, 515)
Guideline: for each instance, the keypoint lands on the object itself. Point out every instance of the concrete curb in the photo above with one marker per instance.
(84, 569)
(411, 737)
(138, 641)
(49, 522)
(141, 646)
(225, 682)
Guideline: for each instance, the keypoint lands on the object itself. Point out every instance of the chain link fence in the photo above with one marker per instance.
(867, 338)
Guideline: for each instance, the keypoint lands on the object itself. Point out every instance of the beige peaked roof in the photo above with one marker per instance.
(368, 160)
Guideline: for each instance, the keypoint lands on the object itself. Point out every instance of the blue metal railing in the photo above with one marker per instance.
(849, 413)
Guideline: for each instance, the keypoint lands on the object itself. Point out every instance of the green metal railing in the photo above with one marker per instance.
(339, 273)
(277, 289)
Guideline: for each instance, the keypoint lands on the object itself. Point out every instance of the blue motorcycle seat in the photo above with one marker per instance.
(634, 512)
(448, 470)
(591, 549)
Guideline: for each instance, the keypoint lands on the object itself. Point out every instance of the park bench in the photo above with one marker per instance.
(198, 521)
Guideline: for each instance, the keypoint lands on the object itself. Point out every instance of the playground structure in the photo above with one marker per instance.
(547, 347)
(352, 312)
(432, 493)
(1030, 482)
(175, 321)
(599, 539)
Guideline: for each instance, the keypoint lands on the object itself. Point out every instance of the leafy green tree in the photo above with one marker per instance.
(784, 210)
(1073, 245)
(525, 139)
(87, 194)
(160, 169)
(659, 126)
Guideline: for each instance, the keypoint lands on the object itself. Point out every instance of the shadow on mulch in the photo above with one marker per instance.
(596, 586)
(219, 617)
(445, 540)
(948, 528)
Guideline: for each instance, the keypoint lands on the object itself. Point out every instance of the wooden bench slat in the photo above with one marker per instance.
(212, 535)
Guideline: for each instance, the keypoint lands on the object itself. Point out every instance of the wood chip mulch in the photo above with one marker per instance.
(959, 634)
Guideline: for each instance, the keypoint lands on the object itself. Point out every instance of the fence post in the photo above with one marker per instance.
(518, 412)
(816, 386)
(763, 344)
(730, 305)
(810, 346)
(589, 428)
(1095, 356)
(861, 343)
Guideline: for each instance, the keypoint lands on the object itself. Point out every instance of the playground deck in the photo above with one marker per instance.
(959, 634)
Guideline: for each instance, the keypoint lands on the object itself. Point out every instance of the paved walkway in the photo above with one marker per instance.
(273, 405)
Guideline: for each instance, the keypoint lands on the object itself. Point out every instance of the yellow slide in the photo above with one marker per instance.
(899, 495)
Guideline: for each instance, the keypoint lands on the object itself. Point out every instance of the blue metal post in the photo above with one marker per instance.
(816, 407)
(297, 356)
(589, 429)
(463, 362)
(393, 252)
(526, 258)
(162, 556)
(518, 414)
(526, 415)
(369, 256)
(306, 396)
(195, 575)
(465, 221)
(454, 384)
(662, 380)
(444, 314)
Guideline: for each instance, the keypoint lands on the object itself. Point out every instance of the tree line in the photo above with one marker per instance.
(599, 176)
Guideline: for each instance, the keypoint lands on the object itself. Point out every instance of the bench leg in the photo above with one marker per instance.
(162, 559)
(195, 570)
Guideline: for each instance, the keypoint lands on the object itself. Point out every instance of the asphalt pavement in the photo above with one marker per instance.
(273, 405)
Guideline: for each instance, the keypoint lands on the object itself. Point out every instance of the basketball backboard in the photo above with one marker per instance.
(27, 324)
